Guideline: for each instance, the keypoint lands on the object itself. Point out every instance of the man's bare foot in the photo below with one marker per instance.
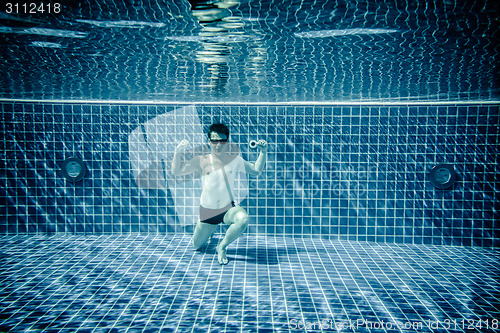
(221, 255)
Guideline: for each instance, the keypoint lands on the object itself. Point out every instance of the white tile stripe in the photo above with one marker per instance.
(225, 103)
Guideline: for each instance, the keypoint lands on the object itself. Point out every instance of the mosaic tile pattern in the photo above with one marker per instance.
(252, 51)
(159, 284)
(346, 172)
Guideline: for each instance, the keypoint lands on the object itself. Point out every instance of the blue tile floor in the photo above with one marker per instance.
(159, 284)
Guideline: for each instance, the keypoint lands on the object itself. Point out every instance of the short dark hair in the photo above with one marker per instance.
(218, 128)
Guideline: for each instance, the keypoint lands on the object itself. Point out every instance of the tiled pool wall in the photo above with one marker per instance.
(350, 172)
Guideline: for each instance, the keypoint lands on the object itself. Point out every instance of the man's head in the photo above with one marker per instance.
(218, 133)
(218, 136)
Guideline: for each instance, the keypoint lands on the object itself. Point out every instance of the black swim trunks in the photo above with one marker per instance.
(214, 216)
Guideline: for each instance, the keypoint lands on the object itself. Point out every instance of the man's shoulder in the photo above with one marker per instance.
(241, 162)
(202, 159)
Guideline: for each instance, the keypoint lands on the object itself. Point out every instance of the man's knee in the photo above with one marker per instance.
(241, 219)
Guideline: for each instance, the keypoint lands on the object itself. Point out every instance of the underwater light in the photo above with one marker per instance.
(73, 169)
(442, 176)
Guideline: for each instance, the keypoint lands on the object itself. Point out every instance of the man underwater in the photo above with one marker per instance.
(218, 171)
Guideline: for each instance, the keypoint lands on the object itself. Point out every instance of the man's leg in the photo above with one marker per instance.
(237, 218)
(202, 233)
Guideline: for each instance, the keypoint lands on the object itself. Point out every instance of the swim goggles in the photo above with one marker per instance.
(215, 141)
